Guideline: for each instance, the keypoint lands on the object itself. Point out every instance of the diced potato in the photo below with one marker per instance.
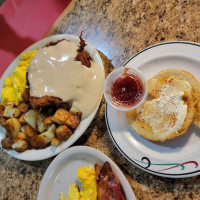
(22, 135)
(41, 126)
(20, 145)
(22, 120)
(37, 142)
(23, 129)
(23, 107)
(73, 121)
(49, 134)
(60, 116)
(75, 111)
(41, 141)
(31, 118)
(64, 117)
(48, 120)
(6, 143)
(30, 132)
(63, 132)
(12, 127)
(11, 112)
(56, 121)
(55, 141)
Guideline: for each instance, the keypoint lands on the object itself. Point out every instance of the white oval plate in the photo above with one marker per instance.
(175, 158)
(35, 155)
(63, 169)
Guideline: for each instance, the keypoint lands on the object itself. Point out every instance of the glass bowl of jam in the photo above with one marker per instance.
(125, 88)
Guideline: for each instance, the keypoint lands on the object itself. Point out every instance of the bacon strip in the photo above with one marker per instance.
(108, 185)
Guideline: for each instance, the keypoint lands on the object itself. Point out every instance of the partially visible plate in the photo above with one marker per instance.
(177, 158)
(35, 155)
(62, 172)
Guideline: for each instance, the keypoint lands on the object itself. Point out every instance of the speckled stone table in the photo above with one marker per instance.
(118, 29)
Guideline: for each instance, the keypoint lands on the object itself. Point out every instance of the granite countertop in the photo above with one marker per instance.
(118, 29)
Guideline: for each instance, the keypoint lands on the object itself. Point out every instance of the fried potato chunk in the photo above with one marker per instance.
(23, 107)
(41, 126)
(30, 132)
(55, 141)
(20, 145)
(75, 111)
(6, 143)
(64, 117)
(63, 132)
(48, 120)
(22, 135)
(42, 140)
(11, 112)
(21, 119)
(31, 118)
(12, 127)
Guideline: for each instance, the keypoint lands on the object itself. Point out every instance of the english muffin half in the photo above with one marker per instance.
(171, 81)
(164, 118)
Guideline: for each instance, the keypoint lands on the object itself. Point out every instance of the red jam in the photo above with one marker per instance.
(127, 90)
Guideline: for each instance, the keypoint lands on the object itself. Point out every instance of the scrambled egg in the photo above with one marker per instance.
(16, 83)
(87, 177)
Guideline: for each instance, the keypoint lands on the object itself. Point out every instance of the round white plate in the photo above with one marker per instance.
(62, 172)
(175, 158)
(33, 155)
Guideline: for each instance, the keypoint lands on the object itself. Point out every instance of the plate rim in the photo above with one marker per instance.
(9, 70)
(168, 175)
(83, 150)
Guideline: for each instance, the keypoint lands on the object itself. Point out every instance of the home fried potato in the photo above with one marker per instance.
(63, 132)
(30, 131)
(6, 143)
(42, 140)
(64, 117)
(21, 119)
(12, 127)
(41, 126)
(20, 145)
(48, 120)
(11, 112)
(55, 141)
(23, 107)
(31, 118)
(21, 135)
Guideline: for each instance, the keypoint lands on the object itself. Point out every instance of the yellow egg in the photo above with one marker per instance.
(62, 196)
(7, 82)
(73, 193)
(16, 83)
(87, 177)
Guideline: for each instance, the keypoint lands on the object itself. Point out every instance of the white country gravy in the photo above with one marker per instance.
(54, 72)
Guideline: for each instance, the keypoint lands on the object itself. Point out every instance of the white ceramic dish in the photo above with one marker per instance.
(34, 155)
(62, 172)
(177, 158)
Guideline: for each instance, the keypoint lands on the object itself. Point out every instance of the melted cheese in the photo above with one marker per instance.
(54, 72)
(165, 115)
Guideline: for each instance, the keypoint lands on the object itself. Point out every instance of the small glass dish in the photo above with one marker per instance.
(125, 88)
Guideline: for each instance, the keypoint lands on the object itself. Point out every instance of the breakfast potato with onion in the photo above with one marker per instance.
(33, 129)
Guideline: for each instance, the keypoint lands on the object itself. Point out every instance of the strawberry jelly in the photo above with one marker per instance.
(127, 90)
